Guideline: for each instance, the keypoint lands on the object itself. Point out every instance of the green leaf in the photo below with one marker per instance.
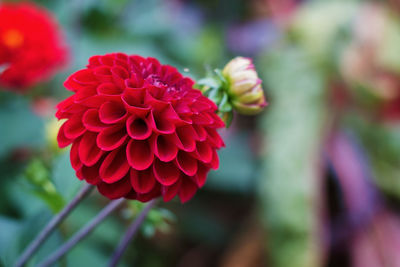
(221, 77)
(215, 95)
(226, 117)
(37, 175)
(53, 200)
(210, 82)
(225, 105)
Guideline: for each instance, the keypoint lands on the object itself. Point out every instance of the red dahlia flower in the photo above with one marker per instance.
(138, 129)
(30, 45)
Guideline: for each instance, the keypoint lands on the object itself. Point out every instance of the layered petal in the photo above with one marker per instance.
(89, 152)
(166, 173)
(115, 190)
(114, 166)
(142, 181)
(139, 154)
(112, 137)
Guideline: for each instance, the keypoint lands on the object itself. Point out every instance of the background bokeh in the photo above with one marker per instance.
(314, 181)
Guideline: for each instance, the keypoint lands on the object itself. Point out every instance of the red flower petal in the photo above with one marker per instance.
(204, 152)
(114, 166)
(112, 112)
(200, 132)
(142, 181)
(82, 95)
(62, 140)
(74, 156)
(187, 189)
(186, 135)
(214, 138)
(93, 101)
(90, 174)
(165, 172)
(133, 102)
(186, 163)
(154, 193)
(94, 61)
(138, 128)
(84, 77)
(160, 124)
(214, 164)
(201, 105)
(103, 74)
(218, 123)
(169, 192)
(139, 154)
(201, 175)
(182, 107)
(134, 82)
(115, 190)
(92, 121)
(112, 137)
(121, 61)
(164, 147)
(156, 104)
(72, 85)
(119, 75)
(73, 127)
(107, 60)
(89, 153)
(66, 104)
(109, 89)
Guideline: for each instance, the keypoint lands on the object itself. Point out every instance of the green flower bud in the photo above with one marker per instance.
(244, 86)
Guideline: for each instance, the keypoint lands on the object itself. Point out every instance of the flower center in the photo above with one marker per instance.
(12, 39)
(156, 80)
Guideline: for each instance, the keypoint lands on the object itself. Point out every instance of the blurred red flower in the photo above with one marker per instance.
(31, 47)
(138, 129)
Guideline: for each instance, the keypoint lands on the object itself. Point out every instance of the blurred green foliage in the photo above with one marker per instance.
(295, 126)
(303, 71)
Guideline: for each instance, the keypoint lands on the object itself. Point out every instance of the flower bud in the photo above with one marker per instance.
(244, 86)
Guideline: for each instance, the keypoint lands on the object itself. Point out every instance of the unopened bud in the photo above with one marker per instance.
(244, 86)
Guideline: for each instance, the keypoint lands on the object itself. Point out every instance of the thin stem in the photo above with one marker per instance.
(87, 229)
(130, 234)
(52, 225)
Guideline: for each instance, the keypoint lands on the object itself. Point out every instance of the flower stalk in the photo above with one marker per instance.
(52, 225)
(86, 230)
(130, 234)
